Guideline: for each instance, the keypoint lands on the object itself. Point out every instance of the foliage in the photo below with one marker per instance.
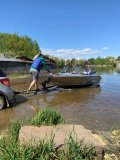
(10, 150)
(77, 150)
(14, 128)
(47, 116)
(92, 61)
(14, 45)
(8, 145)
(45, 150)
(118, 58)
(60, 62)
(102, 61)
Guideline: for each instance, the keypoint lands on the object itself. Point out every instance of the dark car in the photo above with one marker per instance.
(6, 93)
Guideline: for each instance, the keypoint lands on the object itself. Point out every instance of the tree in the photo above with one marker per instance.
(60, 62)
(91, 61)
(14, 45)
(118, 58)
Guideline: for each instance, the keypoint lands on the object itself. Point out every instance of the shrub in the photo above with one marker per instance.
(47, 116)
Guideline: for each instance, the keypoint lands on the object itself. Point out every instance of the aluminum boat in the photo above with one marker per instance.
(78, 77)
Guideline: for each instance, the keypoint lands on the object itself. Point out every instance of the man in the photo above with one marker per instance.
(38, 63)
(86, 66)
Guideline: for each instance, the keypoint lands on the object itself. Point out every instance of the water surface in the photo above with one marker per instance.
(95, 108)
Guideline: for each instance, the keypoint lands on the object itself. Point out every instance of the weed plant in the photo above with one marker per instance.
(73, 150)
(47, 116)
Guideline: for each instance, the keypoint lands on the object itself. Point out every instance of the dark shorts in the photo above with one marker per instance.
(35, 74)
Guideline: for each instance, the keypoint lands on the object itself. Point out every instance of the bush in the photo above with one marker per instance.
(47, 116)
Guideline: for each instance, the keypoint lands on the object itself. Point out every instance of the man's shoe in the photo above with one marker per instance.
(28, 91)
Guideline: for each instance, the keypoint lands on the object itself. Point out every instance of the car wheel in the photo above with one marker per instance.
(2, 102)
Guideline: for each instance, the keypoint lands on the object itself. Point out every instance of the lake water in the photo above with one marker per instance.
(95, 108)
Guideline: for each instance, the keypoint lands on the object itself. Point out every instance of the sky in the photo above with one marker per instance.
(80, 29)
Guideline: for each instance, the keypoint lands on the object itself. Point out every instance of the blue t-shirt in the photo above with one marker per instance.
(38, 63)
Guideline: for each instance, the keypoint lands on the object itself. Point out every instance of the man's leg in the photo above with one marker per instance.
(37, 84)
(32, 84)
(46, 82)
(35, 76)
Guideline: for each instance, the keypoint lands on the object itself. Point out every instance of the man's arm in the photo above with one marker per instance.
(45, 66)
(35, 56)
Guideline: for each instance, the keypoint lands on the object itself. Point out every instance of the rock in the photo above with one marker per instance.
(32, 134)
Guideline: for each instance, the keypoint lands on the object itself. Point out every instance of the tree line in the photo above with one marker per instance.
(15, 45)
(92, 61)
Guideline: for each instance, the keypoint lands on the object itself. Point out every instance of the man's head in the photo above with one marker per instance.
(85, 62)
(40, 54)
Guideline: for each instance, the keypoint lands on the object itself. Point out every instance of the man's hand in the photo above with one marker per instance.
(51, 75)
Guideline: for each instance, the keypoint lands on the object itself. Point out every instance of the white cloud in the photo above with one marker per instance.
(105, 48)
(71, 53)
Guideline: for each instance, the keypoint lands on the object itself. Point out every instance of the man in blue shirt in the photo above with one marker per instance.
(38, 63)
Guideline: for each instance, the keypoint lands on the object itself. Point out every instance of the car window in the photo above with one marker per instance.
(2, 74)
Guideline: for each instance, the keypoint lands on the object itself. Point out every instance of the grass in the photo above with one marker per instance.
(16, 74)
(74, 150)
(44, 149)
(47, 116)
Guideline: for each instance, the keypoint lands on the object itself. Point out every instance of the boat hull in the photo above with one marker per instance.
(81, 80)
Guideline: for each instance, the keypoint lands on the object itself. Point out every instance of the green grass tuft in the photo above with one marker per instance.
(47, 116)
